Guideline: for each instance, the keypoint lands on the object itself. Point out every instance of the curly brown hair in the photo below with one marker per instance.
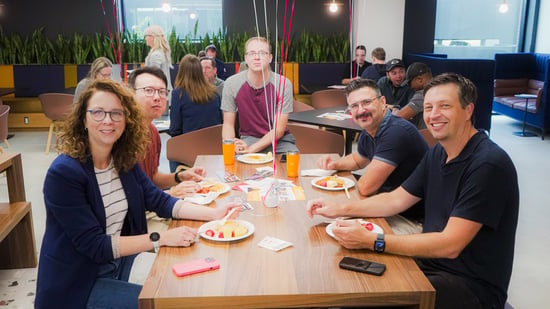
(127, 150)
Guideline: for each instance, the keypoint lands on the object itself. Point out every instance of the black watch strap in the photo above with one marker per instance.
(176, 177)
(379, 243)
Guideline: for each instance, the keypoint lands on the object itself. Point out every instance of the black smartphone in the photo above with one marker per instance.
(362, 266)
(283, 157)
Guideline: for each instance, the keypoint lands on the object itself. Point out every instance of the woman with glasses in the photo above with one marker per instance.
(101, 69)
(195, 102)
(96, 196)
(159, 55)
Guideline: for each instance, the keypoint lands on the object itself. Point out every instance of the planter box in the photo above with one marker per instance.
(33, 80)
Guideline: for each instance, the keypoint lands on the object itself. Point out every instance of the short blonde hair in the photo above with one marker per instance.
(159, 40)
(258, 38)
(98, 65)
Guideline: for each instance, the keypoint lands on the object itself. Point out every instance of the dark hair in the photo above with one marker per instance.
(361, 83)
(379, 53)
(467, 91)
(127, 150)
(361, 47)
(191, 79)
(146, 70)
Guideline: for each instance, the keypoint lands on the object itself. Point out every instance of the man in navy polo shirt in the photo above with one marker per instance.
(389, 147)
(470, 191)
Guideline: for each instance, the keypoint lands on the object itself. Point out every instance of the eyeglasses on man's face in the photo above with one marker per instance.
(99, 114)
(261, 53)
(150, 91)
(363, 103)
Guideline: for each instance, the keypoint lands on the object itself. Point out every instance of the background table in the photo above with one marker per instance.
(525, 96)
(311, 117)
(305, 275)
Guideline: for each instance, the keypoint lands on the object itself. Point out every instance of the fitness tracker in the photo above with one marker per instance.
(379, 244)
(154, 237)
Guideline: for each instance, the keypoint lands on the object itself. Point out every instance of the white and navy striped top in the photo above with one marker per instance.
(114, 198)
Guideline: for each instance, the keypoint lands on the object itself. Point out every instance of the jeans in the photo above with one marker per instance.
(112, 289)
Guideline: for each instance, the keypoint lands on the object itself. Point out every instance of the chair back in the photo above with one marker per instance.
(56, 106)
(430, 140)
(314, 140)
(329, 98)
(186, 147)
(4, 111)
(301, 107)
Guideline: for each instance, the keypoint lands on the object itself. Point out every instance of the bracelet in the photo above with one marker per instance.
(176, 177)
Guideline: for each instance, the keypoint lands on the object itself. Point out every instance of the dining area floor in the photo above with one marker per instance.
(528, 287)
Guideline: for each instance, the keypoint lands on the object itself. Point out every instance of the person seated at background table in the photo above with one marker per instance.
(212, 52)
(354, 69)
(378, 67)
(150, 91)
(470, 190)
(210, 73)
(389, 147)
(195, 102)
(418, 76)
(101, 68)
(247, 92)
(391, 85)
(96, 196)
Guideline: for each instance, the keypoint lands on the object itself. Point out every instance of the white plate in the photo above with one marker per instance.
(223, 190)
(213, 224)
(375, 228)
(255, 158)
(348, 183)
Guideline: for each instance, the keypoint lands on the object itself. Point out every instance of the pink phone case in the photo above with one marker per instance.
(195, 266)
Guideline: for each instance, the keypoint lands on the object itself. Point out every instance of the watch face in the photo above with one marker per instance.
(154, 236)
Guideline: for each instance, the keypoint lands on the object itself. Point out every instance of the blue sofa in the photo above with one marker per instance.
(479, 71)
(527, 66)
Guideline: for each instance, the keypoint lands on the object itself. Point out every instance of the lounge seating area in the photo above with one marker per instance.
(526, 73)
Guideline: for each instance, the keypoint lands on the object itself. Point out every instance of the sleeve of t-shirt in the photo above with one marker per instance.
(393, 146)
(416, 103)
(414, 184)
(229, 94)
(288, 102)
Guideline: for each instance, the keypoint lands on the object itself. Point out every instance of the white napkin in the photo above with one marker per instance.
(317, 172)
(202, 199)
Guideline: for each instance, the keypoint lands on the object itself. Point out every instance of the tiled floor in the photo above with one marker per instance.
(529, 285)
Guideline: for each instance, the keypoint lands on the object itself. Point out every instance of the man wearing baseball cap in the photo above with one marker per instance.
(397, 95)
(418, 75)
(211, 51)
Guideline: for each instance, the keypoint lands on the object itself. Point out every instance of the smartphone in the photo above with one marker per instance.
(362, 266)
(195, 266)
(283, 157)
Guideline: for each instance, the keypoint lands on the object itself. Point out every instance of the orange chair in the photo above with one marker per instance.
(313, 140)
(301, 107)
(430, 140)
(56, 106)
(4, 111)
(186, 147)
(329, 98)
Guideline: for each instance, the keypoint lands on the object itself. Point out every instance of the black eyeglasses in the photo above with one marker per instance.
(150, 91)
(99, 114)
(362, 103)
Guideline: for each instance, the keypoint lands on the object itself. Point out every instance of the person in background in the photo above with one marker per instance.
(417, 77)
(354, 69)
(397, 95)
(389, 147)
(195, 102)
(150, 90)
(159, 56)
(201, 54)
(96, 196)
(247, 92)
(211, 51)
(101, 68)
(470, 190)
(210, 71)
(378, 67)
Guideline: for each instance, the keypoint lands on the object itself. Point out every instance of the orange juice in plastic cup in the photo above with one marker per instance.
(228, 149)
(292, 163)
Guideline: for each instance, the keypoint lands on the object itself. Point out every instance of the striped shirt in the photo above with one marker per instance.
(114, 198)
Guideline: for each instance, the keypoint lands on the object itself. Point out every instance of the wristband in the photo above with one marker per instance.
(176, 177)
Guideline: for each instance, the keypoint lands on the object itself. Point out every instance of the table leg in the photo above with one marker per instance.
(349, 142)
(522, 133)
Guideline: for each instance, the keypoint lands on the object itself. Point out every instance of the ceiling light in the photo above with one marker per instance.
(333, 8)
(503, 7)
(166, 7)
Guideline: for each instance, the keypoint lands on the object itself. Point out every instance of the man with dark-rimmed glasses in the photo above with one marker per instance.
(389, 148)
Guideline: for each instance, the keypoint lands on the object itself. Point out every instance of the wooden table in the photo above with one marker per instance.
(6, 91)
(305, 275)
(310, 117)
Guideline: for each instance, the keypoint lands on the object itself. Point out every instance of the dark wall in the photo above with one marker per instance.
(419, 26)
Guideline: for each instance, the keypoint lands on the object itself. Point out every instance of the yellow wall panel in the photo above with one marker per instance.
(6, 76)
(70, 75)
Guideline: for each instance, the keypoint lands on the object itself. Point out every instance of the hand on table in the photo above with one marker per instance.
(240, 146)
(352, 235)
(184, 189)
(326, 162)
(196, 173)
(323, 207)
(221, 211)
(178, 237)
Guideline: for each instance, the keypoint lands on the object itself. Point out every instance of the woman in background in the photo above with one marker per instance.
(159, 56)
(195, 102)
(96, 196)
(101, 69)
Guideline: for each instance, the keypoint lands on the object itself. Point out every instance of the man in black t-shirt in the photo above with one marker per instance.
(354, 69)
(470, 190)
